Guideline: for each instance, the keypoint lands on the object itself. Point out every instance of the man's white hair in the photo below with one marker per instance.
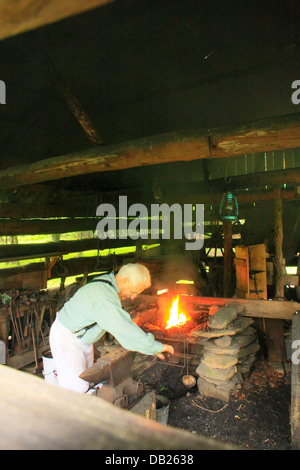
(136, 273)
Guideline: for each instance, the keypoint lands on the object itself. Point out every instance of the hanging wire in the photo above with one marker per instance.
(226, 179)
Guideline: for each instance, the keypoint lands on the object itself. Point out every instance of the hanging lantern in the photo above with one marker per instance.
(228, 211)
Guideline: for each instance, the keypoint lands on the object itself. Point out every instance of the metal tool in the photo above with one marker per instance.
(188, 380)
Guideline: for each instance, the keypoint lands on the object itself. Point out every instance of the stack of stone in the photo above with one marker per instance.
(228, 353)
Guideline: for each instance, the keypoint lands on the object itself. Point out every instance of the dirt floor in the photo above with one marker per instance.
(255, 418)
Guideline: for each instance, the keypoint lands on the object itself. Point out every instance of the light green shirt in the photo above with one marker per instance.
(99, 302)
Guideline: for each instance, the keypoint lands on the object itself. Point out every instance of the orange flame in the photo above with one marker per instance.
(176, 319)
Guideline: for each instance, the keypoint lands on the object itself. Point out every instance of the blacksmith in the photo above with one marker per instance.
(94, 310)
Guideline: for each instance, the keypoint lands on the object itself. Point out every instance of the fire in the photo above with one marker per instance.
(176, 319)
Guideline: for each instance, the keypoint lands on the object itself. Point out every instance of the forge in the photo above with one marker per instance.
(215, 346)
(174, 319)
(212, 340)
(176, 316)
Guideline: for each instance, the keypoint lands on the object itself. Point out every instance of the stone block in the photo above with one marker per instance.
(231, 350)
(218, 361)
(236, 326)
(251, 348)
(244, 340)
(223, 341)
(219, 392)
(224, 316)
(213, 373)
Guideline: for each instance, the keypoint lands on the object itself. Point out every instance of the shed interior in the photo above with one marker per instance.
(162, 103)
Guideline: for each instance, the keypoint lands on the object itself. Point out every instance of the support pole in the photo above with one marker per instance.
(274, 328)
(228, 260)
(278, 232)
(295, 397)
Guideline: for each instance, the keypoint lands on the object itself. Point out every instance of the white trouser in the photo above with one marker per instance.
(71, 357)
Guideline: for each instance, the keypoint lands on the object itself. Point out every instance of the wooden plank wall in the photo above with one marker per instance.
(255, 163)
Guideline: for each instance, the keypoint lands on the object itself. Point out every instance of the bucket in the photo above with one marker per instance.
(49, 368)
(162, 409)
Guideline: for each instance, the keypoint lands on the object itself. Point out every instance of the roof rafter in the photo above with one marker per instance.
(278, 133)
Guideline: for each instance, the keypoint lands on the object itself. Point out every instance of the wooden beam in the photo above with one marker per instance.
(28, 268)
(261, 179)
(89, 264)
(42, 250)
(147, 151)
(67, 267)
(16, 210)
(75, 106)
(88, 210)
(265, 135)
(211, 192)
(14, 227)
(86, 200)
(62, 268)
(251, 307)
(251, 197)
(24, 15)
(36, 415)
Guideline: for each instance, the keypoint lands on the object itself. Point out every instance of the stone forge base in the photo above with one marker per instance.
(228, 352)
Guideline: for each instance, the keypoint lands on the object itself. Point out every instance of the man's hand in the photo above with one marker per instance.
(166, 348)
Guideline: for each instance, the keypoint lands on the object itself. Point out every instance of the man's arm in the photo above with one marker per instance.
(118, 322)
(166, 348)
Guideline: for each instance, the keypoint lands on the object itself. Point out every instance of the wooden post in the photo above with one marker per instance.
(228, 257)
(274, 328)
(295, 397)
(278, 229)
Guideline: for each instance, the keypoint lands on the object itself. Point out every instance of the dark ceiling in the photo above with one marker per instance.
(146, 67)
(143, 67)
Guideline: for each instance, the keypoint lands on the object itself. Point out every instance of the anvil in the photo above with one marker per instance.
(113, 370)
